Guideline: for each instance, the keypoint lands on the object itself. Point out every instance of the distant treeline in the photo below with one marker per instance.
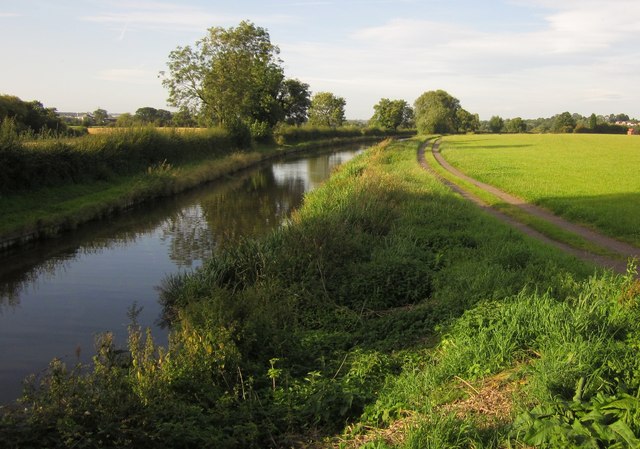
(288, 135)
(565, 122)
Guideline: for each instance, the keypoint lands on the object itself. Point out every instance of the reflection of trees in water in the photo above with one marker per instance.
(27, 269)
(319, 170)
(242, 207)
(258, 206)
(190, 238)
(236, 207)
(24, 268)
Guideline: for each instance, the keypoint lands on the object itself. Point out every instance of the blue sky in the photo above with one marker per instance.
(528, 58)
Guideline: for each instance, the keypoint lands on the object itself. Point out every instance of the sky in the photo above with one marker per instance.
(512, 58)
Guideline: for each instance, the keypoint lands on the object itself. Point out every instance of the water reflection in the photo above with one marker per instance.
(55, 296)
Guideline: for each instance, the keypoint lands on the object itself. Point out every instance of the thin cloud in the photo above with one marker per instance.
(575, 48)
(4, 15)
(128, 76)
(159, 15)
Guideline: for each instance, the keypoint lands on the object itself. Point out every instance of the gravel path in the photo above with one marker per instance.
(625, 250)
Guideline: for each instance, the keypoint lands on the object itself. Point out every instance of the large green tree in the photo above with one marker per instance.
(326, 110)
(391, 114)
(436, 112)
(232, 76)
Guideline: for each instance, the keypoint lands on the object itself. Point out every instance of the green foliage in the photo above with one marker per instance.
(30, 116)
(295, 100)
(152, 116)
(604, 421)
(231, 76)
(601, 128)
(564, 123)
(446, 432)
(436, 112)
(467, 122)
(515, 125)
(496, 124)
(183, 119)
(326, 110)
(9, 137)
(391, 114)
(100, 117)
(289, 135)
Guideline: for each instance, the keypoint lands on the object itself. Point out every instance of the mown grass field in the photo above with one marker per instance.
(388, 313)
(591, 179)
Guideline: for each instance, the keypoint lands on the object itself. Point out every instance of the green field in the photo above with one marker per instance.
(591, 179)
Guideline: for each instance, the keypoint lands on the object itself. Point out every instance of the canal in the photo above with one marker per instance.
(56, 296)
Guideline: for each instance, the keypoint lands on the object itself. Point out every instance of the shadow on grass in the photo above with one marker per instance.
(616, 215)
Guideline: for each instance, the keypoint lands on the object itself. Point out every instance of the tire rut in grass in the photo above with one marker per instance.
(621, 248)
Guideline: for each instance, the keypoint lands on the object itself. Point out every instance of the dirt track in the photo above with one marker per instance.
(624, 250)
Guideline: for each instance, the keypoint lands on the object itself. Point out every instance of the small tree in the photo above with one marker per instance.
(564, 123)
(515, 125)
(295, 100)
(153, 116)
(183, 119)
(467, 122)
(391, 114)
(100, 117)
(125, 120)
(496, 124)
(327, 110)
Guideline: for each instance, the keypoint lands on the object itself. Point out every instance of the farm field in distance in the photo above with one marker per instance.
(589, 179)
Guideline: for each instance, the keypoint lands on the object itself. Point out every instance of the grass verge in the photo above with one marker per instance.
(387, 305)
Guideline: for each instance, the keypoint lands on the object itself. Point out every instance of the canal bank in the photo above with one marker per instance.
(48, 212)
(57, 295)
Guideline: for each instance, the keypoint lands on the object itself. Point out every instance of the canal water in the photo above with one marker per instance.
(56, 296)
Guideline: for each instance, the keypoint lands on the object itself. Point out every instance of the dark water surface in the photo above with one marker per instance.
(57, 295)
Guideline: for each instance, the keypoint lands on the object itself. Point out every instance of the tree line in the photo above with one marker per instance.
(233, 78)
(564, 122)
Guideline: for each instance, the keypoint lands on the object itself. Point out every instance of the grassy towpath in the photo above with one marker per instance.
(622, 251)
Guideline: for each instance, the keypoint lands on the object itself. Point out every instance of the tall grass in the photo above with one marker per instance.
(52, 162)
